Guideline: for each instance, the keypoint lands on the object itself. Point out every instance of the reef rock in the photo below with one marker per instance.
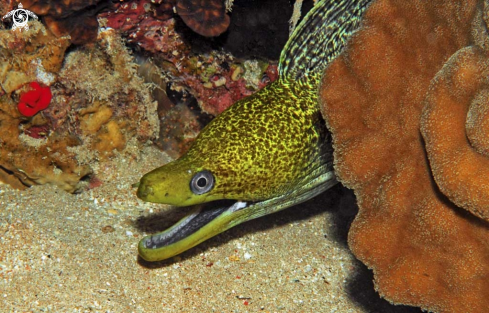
(26, 56)
(215, 78)
(98, 105)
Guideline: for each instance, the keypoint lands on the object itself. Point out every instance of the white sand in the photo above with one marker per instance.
(55, 256)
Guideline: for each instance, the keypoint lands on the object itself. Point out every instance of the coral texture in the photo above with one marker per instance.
(98, 105)
(4, 7)
(30, 56)
(205, 17)
(35, 55)
(459, 97)
(215, 79)
(424, 250)
(103, 100)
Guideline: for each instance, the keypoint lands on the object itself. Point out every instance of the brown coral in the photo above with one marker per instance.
(424, 250)
(459, 94)
(76, 18)
(205, 17)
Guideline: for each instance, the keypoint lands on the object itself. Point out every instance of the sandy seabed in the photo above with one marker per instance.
(78, 253)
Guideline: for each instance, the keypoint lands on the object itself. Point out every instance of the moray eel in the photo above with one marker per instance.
(266, 152)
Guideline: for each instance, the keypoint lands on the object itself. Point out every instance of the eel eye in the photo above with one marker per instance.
(202, 182)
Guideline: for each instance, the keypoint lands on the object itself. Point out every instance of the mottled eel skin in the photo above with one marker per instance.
(267, 152)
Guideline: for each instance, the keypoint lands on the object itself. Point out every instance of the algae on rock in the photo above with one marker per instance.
(99, 103)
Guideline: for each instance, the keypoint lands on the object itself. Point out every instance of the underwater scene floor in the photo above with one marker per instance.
(78, 253)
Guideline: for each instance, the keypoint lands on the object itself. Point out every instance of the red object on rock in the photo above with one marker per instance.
(34, 100)
(38, 131)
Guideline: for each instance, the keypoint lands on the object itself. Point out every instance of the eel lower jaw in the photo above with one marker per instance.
(199, 225)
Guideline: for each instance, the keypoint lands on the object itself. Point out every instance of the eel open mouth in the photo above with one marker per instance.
(210, 219)
(202, 223)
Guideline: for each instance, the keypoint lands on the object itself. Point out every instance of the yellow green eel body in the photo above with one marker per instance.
(266, 152)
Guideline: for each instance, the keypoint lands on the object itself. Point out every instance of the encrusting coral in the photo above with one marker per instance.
(205, 17)
(86, 120)
(25, 159)
(36, 55)
(216, 79)
(4, 7)
(109, 113)
(424, 250)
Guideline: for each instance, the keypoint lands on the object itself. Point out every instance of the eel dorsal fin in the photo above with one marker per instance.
(320, 37)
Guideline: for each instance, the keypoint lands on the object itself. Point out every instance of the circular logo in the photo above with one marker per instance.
(20, 17)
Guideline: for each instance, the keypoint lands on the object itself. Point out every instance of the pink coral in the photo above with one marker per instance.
(186, 70)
